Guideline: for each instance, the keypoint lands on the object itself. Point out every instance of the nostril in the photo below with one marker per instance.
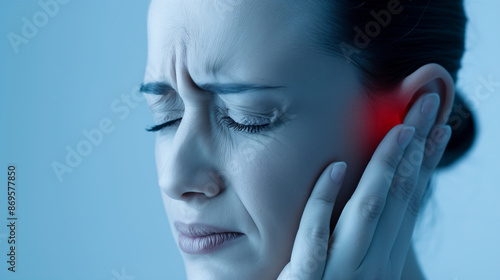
(189, 195)
(200, 191)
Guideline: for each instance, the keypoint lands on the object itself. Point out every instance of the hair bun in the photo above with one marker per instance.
(463, 134)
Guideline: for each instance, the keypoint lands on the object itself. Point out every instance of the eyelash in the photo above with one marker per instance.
(225, 119)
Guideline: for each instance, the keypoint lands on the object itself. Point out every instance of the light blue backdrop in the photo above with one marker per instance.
(105, 220)
(103, 217)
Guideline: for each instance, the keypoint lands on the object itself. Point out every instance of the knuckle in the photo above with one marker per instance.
(318, 234)
(407, 168)
(371, 207)
(390, 160)
(326, 198)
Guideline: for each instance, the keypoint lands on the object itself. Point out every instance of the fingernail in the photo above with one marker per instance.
(405, 136)
(441, 136)
(338, 172)
(430, 106)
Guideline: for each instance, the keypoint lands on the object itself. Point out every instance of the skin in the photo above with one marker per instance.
(260, 183)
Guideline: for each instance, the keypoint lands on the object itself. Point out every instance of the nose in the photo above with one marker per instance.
(187, 172)
(187, 167)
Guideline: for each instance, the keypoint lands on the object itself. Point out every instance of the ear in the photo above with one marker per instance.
(430, 78)
(377, 112)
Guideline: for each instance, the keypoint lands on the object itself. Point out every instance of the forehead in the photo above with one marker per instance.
(227, 37)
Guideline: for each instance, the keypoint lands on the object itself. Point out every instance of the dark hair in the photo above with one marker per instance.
(388, 40)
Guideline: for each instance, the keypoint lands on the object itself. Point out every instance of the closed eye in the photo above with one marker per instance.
(222, 118)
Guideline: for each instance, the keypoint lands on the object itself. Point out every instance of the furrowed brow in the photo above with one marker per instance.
(156, 88)
(163, 88)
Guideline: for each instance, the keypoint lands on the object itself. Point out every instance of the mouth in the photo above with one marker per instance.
(201, 245)
(201, 239)
(200, 230)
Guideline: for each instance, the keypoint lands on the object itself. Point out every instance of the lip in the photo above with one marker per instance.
(202, 239)
(206, 244)
(199, 229)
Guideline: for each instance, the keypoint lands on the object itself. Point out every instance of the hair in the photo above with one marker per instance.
(390, 39)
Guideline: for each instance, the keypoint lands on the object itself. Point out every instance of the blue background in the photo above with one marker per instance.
(105, 219)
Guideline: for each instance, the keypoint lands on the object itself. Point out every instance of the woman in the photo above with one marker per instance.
(296, 139)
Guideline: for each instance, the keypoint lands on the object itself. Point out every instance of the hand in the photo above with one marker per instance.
(373, 234)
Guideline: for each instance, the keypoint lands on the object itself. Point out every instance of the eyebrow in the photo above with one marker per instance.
(163, 88)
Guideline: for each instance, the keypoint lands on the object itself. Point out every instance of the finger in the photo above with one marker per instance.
(434, 149)
(354, 230)
(311, 243)
(422, 115)
(438, 139)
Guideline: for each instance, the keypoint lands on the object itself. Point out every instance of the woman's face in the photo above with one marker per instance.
(252, 181)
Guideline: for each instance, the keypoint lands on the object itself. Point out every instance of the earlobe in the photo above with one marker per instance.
(430, 78)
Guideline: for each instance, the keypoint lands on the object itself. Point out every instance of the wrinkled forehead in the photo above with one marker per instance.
(220, 36)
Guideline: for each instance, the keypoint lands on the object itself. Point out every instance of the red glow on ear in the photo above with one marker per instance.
(378, 116)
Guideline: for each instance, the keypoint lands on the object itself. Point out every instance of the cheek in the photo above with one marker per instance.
(273, 189)
(280, 175)
(265, 175)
